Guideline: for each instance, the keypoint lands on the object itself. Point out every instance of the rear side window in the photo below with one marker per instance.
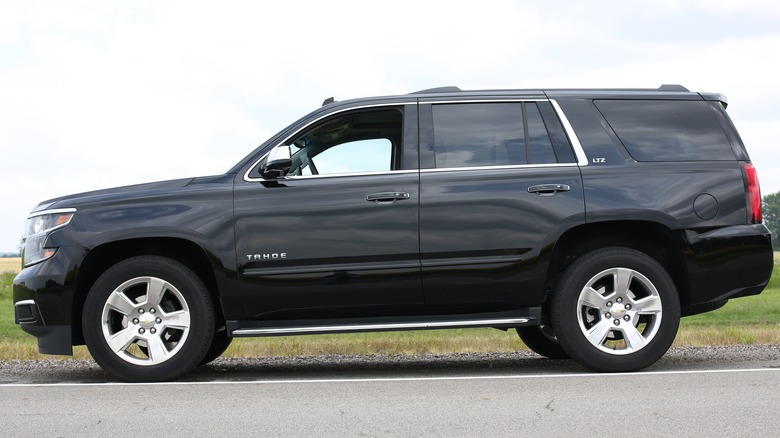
(491, 134)
(667, 130)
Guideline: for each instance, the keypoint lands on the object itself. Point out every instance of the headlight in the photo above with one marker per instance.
(39, 226)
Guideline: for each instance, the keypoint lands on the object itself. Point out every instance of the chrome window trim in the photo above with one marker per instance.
(579, 152)
(334, 175)
(247, 178)
(582, 159)
(513, 166)
(52, 211)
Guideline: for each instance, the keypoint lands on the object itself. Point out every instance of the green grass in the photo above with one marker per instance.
(749, 320)
(761, 309)
(774, 282)
(8, 329)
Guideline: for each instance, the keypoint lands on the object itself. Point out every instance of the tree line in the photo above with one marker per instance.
(772, 217)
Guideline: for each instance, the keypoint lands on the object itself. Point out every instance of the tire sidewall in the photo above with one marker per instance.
(219, 345)
(540, 343)
(565, 308)
(194, 292)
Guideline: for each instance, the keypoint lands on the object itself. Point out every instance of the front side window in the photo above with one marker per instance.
(361, 141)
(374, 155)
(490, 134)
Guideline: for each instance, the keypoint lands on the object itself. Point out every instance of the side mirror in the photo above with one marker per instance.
(277, 163)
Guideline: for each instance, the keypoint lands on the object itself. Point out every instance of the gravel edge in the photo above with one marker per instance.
(234, 368)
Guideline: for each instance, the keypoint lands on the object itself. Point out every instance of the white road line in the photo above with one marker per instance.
(394, 379)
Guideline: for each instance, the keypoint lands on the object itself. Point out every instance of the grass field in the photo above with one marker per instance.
(750, 320)
(10, 264)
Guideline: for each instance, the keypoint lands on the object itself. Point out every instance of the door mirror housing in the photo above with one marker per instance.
(277, 163)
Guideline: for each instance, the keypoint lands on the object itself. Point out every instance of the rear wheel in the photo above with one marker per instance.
(542, 341)
(148, 319)
(616, 310)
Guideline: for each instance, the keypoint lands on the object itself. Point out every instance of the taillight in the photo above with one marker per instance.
(755, 215)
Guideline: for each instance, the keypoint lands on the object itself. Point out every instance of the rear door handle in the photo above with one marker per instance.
(387, 197)
(548, 189)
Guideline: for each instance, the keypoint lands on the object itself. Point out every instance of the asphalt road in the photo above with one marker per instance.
(728, 391)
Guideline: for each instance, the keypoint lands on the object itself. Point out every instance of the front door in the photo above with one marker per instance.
(338, 236)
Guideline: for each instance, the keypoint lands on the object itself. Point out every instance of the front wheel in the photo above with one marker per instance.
(148, 318)
(220, 343)
(616, 310)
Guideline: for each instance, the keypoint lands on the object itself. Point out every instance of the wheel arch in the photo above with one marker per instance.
(102, 257)
(652, 238)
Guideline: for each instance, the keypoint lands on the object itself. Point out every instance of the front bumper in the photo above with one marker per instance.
(43, 302)
(54, 339)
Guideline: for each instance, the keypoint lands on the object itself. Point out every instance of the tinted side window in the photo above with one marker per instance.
(491, 134)
(563, 151)
(539, 142)
(667, 130)
(481, 134)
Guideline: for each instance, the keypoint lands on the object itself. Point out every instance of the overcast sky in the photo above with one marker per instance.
(107, 93)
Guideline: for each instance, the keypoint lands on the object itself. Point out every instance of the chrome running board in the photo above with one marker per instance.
(390, 326)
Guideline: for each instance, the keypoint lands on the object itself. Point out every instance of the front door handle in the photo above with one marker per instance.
(548, 189)
(387, 197)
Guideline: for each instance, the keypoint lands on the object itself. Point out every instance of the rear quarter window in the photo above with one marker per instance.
(667, 130)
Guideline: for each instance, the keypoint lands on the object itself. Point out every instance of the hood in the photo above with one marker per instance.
(81, 198)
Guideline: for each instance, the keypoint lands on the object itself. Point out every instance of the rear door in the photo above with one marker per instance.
(499, 183)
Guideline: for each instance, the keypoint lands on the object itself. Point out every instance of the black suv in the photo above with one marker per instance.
(588, 220)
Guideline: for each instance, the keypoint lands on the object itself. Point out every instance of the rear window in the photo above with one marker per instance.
(667, 130)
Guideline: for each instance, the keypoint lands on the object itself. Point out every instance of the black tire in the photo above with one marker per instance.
(148, 319)
(220, 343)
(616, 310)
(542, 341)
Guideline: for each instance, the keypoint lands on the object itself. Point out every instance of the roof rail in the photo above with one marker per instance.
(450, 89)
(672, 87)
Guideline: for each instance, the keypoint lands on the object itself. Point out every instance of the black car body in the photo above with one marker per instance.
(437, 209)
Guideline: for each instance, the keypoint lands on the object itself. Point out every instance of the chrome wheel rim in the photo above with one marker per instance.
(619, 311)
(146, 321)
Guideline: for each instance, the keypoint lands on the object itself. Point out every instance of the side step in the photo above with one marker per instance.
(529, 316)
